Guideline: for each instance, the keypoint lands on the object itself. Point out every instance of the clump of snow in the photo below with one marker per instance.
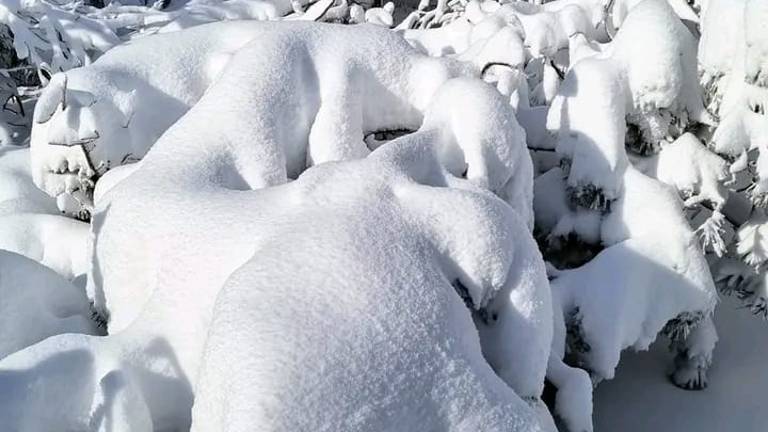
(37, 303)
(588, 120)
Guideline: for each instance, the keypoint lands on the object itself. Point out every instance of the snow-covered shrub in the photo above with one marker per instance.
(30, 223)
(89, 120)
(409, 322)
(651, 276)
(458, 245)
(487, 156)
(732, 62)
(45, 33)
(646, 78)
(347, 378)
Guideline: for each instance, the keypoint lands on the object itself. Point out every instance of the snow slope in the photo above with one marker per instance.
(641, 399)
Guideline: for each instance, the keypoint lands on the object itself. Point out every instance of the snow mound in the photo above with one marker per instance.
(37, 303)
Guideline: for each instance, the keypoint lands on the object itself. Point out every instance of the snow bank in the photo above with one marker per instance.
(37, 303)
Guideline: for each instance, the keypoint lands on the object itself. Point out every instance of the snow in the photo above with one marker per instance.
(641, 399)
(305, 226)
(30, 224)
(382, 355)
(169, 300)
(651, 271)
(37, 303)
(111, 112)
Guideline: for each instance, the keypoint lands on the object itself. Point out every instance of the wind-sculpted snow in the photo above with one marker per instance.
(370, 279)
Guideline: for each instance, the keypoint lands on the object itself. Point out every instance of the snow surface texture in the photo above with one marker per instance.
(165, 295)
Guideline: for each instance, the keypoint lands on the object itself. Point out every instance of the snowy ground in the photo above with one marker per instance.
(639, 399)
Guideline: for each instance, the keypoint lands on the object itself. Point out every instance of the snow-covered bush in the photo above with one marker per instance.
(194, 189)
(732, 63)
(45, 33)
(30, 223)
(336, 220)
(89, 120)
(646, 85)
